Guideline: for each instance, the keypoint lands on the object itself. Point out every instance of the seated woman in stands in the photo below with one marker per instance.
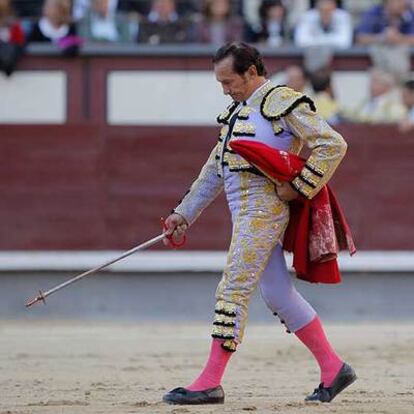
(218, 24)
(272, 30)
(56, 26)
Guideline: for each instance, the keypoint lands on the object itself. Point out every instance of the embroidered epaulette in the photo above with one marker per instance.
(224, 117)
(281, 100)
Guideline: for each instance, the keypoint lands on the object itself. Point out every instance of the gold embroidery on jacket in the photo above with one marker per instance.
(245, 112)
(243, 128)
(302, 187)
(277, 129)
(309, 178)
(281, 100)
(235, 162)
(224, 117)
(327, 146)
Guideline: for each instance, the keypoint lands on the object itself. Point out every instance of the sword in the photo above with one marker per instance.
(43, 295)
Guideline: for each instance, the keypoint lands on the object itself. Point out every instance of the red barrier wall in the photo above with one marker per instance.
(87, 185)
(94, 187)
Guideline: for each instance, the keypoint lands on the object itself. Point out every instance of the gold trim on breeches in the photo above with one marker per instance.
(257, 227)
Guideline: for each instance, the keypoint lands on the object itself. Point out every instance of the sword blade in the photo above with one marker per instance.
(43, 295)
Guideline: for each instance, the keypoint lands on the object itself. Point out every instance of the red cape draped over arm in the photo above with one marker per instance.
(317, 228)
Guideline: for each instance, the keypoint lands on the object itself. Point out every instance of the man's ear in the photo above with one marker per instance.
(252, 71)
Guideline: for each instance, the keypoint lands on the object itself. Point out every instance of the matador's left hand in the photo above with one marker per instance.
(285, 191)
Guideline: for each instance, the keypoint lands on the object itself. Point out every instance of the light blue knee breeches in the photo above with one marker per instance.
(280, 294)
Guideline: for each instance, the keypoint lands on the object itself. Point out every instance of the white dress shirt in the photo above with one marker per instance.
(310, 32)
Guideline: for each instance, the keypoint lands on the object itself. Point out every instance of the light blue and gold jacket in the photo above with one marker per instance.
(281, 118)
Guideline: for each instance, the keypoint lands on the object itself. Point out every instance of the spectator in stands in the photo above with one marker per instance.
(55, 22)
(325, 25)
(143, 7)
(164, 25)
(296, 78)
(389, 30)
(218, 24)
(102, 23)
(11, 38)
(389, 23)
(323, 95)
(383, 104)
(272, 29)
(81, 8)
(56, 26)
(407, 123)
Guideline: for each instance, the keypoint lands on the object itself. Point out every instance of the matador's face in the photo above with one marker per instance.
(239, 87)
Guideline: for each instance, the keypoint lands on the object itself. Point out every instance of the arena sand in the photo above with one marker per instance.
(111, 368)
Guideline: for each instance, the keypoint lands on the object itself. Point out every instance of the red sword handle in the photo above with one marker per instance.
(174, 244)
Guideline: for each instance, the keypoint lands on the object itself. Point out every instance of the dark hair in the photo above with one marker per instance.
(268, 4)
(208, 13)
(321, 80)
(264, 8)
(244, 56)
(313, 3)
(409, 85)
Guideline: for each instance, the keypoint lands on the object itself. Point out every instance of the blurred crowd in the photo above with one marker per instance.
(303, 23)
(318, 27)
(387, 100)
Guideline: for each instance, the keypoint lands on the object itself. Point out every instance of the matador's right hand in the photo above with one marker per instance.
(175, 225)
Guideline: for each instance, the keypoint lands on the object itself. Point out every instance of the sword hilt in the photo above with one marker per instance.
(173, 244)
(38, 298)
